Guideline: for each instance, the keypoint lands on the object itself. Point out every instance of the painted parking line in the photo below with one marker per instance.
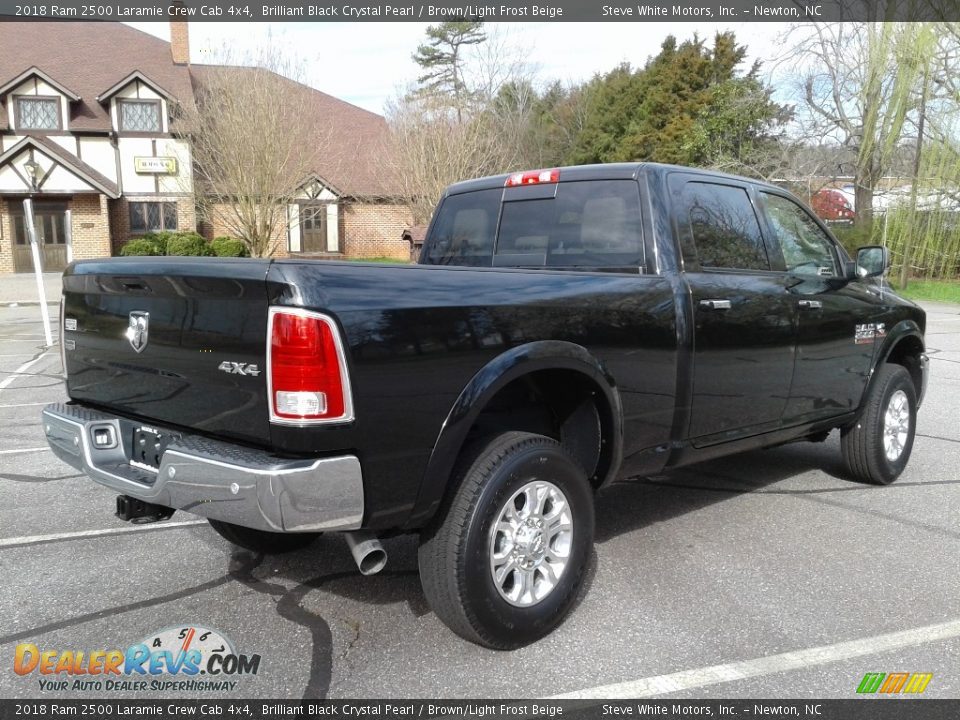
(24, 450)
(84, 534)
(19, 372)
(18, 405)
(784, 662)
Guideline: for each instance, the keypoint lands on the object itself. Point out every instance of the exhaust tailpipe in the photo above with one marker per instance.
(367, 551)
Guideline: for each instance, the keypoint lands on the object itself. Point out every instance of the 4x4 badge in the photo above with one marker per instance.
(138, 332)
(237, 368)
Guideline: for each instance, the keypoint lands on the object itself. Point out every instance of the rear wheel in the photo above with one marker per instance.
(503, 560)
(269, 543)
(877, 446)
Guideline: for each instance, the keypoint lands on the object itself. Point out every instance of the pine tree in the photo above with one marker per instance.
(442, 60)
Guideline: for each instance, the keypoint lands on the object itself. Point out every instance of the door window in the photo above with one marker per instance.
(48, 222)
(723, 226)
(807, 250)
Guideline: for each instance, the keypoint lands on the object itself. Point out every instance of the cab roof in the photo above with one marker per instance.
(608, 171)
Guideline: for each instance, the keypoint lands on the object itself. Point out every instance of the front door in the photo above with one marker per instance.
(833, 359)
(313, 228)
(50, 223)
(743, 335)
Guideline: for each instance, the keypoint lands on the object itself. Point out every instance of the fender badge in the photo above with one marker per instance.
(866, 333)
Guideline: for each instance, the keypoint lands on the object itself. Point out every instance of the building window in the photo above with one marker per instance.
(139, 115)
(153, 216)
(38, 113)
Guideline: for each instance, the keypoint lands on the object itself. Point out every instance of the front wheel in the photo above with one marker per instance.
(503, 560)
(877, 446)
(268, 543)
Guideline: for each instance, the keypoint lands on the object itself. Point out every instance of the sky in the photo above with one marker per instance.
(367, 63)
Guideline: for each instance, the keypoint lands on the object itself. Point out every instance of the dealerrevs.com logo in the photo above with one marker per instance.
(187, 658)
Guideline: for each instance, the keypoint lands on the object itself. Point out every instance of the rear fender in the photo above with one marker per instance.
(495, 375)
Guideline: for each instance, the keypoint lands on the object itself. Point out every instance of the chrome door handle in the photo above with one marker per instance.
(810, 304)
(715, 304)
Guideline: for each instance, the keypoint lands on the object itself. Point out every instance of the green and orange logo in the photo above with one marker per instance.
(892, 683)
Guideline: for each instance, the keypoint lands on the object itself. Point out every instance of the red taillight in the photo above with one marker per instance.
(533, 177)
(308, 377)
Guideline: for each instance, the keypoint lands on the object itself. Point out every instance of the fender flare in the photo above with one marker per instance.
(903, 329)
(487, 382)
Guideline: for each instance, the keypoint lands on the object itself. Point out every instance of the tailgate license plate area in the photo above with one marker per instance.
(148, 447)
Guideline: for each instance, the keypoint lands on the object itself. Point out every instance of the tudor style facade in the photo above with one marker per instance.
(89, 130)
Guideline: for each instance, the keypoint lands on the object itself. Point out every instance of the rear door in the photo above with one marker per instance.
(833, 359)
(744, 334)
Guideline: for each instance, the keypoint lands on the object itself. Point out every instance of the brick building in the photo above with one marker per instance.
(89, 130)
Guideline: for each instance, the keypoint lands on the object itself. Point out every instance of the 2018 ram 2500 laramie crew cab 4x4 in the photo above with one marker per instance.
(562, 329)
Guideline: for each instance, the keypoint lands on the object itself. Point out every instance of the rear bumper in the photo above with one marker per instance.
(215, 479)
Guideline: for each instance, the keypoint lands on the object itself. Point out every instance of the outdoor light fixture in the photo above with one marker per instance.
(33, 170)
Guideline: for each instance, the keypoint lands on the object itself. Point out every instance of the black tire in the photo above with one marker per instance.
(862, 443)
(261, 541)
(456, 548)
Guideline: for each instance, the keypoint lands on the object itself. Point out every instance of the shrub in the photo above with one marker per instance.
(160, 239)
(228, 247)
(188, 243)
(139, 247)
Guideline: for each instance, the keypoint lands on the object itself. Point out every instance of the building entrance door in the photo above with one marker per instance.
(313, 228)
(50, 221)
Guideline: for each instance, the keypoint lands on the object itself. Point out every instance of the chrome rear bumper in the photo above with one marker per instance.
(215, 479)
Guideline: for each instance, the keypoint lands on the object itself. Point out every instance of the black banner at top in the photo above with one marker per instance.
(494, 10)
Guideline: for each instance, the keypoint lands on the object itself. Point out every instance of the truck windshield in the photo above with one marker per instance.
(590, 224)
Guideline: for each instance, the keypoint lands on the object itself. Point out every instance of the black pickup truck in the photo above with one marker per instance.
(563, 329)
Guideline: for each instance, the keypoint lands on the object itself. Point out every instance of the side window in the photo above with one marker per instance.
(464, 230)
(806, 248)
(723, 226)
(588, 224)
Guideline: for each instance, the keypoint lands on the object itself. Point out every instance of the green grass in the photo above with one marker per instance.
(936, 290)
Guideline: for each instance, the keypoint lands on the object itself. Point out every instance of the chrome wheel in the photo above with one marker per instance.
(530, 543)
(896, 425)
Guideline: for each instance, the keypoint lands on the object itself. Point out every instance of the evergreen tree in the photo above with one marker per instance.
(442, 60)
(688, 105)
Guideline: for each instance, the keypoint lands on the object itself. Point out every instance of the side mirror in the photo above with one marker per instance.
(872, 261)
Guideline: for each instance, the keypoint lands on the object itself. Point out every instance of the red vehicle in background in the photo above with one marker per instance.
(833, 206)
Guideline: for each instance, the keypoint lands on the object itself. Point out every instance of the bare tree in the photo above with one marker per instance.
(253, 141)
(439, 136)
(432, 149)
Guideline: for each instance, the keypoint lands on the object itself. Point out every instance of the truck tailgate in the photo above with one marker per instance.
(177, 342)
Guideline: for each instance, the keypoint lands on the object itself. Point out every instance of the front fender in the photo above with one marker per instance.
(488, 381)
(907, 328)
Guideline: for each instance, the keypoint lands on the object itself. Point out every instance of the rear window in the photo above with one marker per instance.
(587, 224)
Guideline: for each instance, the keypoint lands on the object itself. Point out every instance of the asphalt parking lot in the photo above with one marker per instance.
(771, 565)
